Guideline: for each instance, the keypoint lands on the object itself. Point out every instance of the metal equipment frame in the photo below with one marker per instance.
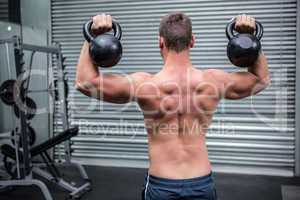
(25, 166)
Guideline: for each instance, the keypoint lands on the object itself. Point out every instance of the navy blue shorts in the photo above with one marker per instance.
(200, 188)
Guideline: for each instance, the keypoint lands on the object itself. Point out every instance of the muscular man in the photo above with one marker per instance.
(178, 104)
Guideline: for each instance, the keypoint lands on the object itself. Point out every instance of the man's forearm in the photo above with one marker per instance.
(86, 70)
(260, 69)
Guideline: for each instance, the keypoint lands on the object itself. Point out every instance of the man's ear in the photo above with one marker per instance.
(193, 41)
(161, 42)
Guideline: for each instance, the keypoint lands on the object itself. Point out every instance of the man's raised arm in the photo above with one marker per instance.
(239, 85)
(90, 81)
(243, 84)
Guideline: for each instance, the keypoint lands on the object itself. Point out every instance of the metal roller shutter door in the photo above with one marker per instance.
(3, 10)
(254, 135)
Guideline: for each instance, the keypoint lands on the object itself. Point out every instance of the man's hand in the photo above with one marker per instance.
(101, 24)
(244, 24)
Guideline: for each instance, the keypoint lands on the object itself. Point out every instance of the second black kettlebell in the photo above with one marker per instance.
(105, 49)
(243, 48)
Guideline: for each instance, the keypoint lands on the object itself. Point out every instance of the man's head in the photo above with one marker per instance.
(175, 32)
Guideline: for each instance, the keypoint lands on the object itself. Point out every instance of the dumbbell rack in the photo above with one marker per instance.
(25, 174)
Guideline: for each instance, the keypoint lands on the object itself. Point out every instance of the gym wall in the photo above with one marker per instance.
(254, 136)
(35, 17)
(34, 30)
(7, 117)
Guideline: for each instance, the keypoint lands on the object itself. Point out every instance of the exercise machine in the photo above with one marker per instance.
(18, 159)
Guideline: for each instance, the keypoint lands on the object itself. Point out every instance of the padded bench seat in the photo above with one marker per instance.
(48, 144)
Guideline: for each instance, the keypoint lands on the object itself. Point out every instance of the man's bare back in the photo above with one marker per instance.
(176, 119)
(178, 102)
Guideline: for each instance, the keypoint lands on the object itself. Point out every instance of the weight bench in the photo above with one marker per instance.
(43, 147)
(52, 173)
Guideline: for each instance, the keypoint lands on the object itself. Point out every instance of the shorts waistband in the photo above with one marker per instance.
(202, 180)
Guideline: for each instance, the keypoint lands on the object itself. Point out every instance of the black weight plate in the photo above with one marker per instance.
(30, 106)
(7, 92)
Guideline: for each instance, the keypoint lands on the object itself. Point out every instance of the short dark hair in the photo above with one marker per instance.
(176, 29)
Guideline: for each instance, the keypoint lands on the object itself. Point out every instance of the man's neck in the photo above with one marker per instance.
(174, 60)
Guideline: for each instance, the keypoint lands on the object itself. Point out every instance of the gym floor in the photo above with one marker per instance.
(112, 183)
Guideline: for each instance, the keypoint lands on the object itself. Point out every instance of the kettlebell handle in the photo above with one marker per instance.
(88, 25)
(230, 27)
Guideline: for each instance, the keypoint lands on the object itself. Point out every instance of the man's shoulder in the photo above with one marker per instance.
(213, 76)
(214, 72)
(142, 75)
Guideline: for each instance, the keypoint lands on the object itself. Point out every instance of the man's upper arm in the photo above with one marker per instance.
(115, 88)
(237, 85)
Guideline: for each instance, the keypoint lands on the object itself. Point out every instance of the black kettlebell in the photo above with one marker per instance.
(243, 48)
(105, 49)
